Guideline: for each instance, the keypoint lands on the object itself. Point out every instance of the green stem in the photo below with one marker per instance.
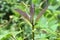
(32, 31)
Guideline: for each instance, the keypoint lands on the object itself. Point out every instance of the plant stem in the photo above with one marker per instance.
(32, 31)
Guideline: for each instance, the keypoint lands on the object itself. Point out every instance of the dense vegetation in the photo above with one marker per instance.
(29, 19)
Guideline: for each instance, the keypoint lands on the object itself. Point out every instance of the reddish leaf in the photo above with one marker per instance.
(42, 12)
(24, 14)
(31, 12)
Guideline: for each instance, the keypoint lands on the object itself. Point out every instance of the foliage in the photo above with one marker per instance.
(13, 26)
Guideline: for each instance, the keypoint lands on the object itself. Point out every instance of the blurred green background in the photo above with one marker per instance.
(13, 27)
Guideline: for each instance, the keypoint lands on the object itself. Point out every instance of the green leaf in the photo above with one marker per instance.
(43, 22)
(20, 38)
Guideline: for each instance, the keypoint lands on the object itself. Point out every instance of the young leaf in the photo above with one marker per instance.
(25, 15)
(31, 12)
(42, 12)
